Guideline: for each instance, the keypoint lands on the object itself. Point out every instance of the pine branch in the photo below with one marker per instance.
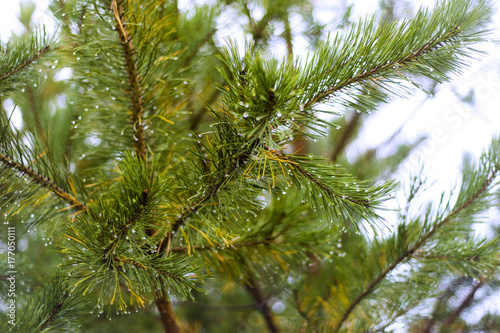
(302, 313)
(193, 53)
(133, 77)
(43, 181)
(53, 314)
(418, 255)
(446, 220)
(430, 44)
(137, 264)
(379, 70)
(441, 302)
(409, 253)
(257, 28)
(231, 246)
(303, 171)
(212, 190)
(131, 221)
(198, 115)
(25, 63)
(190, 210)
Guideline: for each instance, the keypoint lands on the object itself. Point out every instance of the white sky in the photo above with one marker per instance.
(456, 128)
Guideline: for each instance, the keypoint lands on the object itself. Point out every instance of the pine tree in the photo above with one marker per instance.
(181, 182)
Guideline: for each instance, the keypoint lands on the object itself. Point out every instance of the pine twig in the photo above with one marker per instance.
(440, 303)
(288, 37)
(302, 313)
(232, 246)
(55, 311)
(198, 115)
(43, 181)
(212, 190)
(407, 254)
(136, 98)
(131, 221)
(380, 69)
(25, 63)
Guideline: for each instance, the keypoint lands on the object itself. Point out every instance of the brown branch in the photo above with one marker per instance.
(407, 254)
(55, 311)
(440, 304)
(36, 114)
(465, 303)
(43, 181)
(167, 314)
(261, 302)
(133, 77)
(345, 136)
(25, 64)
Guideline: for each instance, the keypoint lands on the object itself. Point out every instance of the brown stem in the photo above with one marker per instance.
(465, 303)
(440, 304)
(167, 315)
(36, 114)
(43, 181)
(198, 115)
(408, 253)
(261, 302)
(345, 137)
(133, 77)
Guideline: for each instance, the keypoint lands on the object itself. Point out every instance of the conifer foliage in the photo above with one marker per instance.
(176, 180)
